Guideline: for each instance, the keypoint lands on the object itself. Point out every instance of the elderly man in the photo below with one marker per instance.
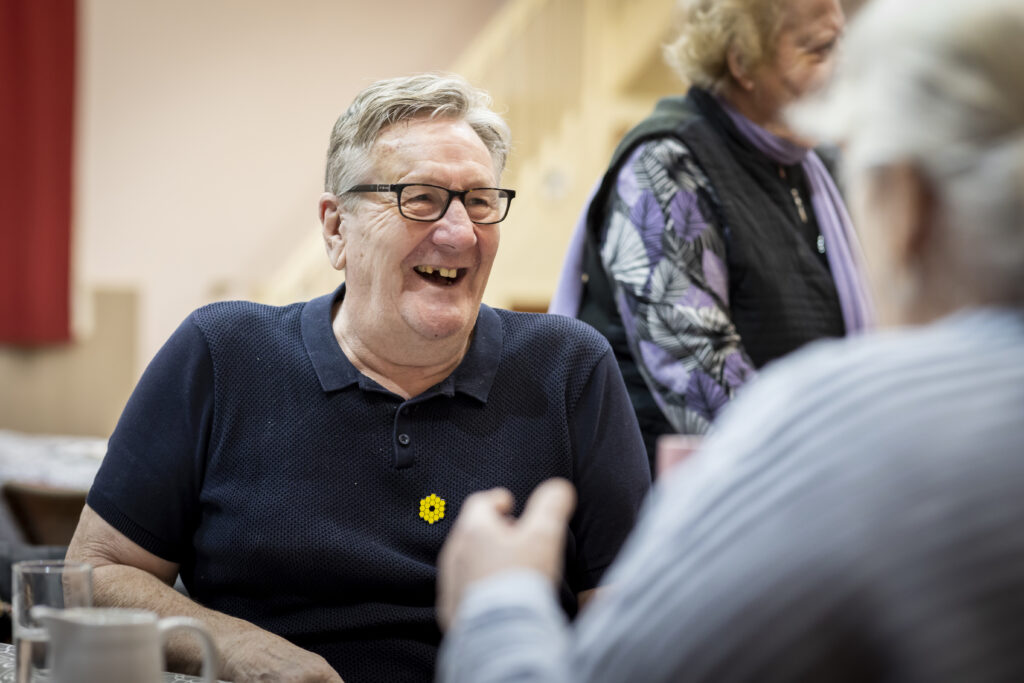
(857, 515)
(301, 466)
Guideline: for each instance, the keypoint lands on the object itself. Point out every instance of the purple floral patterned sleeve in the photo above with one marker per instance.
(664, 252)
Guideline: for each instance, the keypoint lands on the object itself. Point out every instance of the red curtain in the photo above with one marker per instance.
(37, 78)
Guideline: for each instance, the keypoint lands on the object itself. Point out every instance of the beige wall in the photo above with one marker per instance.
(203, 126)
(571, 77)
(78, 388)
(201, 132)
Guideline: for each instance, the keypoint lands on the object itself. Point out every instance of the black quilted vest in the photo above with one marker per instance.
(781, 292)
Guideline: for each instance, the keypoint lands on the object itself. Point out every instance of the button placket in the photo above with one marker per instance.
(405, 453)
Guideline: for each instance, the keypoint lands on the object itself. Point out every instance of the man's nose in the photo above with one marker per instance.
(454, 229)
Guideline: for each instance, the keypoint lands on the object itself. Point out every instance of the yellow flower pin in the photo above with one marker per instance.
(432, 508)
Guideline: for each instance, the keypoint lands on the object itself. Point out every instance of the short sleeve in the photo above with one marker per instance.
(148, 485)
(612, 474)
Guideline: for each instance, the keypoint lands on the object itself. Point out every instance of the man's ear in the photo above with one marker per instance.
(911, 239)
(738, 68)
(333, 229)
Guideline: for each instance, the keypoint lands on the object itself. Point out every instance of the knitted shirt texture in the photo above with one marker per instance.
(295, 492)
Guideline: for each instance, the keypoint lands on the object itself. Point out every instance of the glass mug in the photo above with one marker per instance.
(52, 583)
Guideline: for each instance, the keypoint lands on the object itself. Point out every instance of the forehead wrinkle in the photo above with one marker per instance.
(392, 151)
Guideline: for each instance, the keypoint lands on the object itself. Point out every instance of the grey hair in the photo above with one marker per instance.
(940, 84)
(708, 28)
(393, 100)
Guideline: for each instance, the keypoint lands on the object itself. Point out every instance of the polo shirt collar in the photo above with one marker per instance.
(473, 376)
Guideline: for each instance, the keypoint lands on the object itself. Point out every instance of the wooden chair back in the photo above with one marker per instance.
(45, 515)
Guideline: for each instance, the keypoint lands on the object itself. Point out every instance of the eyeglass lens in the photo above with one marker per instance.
(428, 203)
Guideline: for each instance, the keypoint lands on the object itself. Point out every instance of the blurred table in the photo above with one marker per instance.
(59, 461)
(7, 668)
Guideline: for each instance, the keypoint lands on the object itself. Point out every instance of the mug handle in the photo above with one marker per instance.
(196, 627)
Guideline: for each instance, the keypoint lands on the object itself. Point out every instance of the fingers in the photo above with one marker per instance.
(482, 518)
(486, 507)
(549, 508)
(486, 541)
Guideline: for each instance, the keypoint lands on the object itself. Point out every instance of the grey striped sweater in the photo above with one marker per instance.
(859, 516)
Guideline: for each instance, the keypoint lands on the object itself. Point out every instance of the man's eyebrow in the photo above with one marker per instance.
(426, 179)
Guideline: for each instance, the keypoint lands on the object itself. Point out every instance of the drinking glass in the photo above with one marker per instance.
(53, 583)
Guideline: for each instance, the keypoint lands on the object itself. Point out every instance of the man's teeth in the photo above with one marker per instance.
(443, 272)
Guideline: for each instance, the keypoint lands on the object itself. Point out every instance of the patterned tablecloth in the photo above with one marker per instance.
(7, 668)
(65, 461)
(62, 461)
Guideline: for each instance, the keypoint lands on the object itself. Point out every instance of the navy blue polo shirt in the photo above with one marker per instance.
(298, 494)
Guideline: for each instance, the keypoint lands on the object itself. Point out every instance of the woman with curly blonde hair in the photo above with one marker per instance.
(717, 240)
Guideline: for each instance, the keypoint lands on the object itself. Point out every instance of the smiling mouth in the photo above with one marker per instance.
(440, 276)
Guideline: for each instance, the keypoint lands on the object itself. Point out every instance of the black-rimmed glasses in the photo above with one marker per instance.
(428, 203)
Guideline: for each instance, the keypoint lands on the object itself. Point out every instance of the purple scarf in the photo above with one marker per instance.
(841, 245)
(569, 292)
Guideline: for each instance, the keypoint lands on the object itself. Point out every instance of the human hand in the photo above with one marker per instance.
(258, 656)
(484, 540)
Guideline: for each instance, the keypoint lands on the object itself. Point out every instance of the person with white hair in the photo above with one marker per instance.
(857, 515)
(300, 466)
(717, 240)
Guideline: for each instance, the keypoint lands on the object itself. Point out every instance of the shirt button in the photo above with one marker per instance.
(404, 439)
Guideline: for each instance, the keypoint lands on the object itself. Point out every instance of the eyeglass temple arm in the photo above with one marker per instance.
(371, 188)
